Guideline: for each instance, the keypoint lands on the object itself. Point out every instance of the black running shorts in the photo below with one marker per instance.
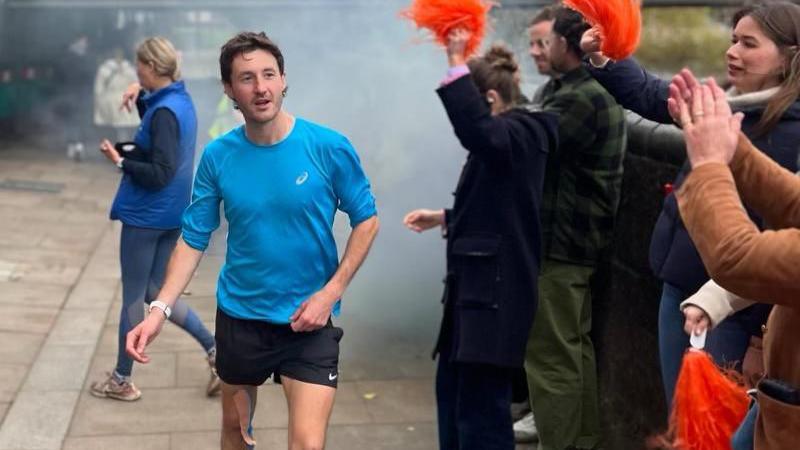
(249, 351)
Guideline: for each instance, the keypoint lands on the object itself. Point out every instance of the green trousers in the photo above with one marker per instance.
(559, 360)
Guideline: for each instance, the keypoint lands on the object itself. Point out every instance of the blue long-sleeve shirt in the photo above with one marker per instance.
(280, 201)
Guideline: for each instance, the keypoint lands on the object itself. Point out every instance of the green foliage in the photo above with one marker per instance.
(673, 38)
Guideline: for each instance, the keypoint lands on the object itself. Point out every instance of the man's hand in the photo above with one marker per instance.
(697, 320)
(129, 97)
(143, 334)
(313, 313)
(710, 129)
(456, 46)
(420, 220)
(107, 148)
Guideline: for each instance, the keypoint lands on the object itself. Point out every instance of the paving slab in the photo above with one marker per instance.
(355, 367)
(59, 367)
(20, 347)
(37, 420)
(350, 407)
(27, 319)
(78, 327)
(191, 368)
(273, 438)
(160, 410)
(23, 293)
(11, 377)
(132, 442)
(41, 257)
(93, 294)
(3, 409)
(399, 401)
(406, 436)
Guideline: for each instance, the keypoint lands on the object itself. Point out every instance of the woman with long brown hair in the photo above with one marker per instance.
(763, 65)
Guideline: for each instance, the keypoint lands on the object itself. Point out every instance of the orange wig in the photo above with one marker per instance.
(442, 16)
(619, 21)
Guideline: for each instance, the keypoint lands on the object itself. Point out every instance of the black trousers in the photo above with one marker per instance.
(473, 406)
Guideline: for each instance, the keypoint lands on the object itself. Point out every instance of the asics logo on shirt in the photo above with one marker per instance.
(301, 179)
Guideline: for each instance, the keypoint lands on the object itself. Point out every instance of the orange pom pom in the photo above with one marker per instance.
(708, 406)
(441, 16)
(619, 21)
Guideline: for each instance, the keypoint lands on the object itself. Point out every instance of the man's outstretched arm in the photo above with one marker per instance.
(315, 312)
(181, 267)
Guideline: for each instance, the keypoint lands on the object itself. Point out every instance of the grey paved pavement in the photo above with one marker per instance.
(59, 307)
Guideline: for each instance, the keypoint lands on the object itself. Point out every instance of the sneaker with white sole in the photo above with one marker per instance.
(214, 385)
(118, 390)
(525, 429)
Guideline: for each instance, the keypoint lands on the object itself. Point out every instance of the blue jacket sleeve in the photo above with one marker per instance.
(201, 217)
(635, 88)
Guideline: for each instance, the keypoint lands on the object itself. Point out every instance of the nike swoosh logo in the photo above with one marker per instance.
(301, 179)
(332, 377)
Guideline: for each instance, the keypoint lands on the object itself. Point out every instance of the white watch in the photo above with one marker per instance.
(119, 163)
(162, 306)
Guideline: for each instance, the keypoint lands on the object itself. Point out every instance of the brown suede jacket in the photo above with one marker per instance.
(755, 264)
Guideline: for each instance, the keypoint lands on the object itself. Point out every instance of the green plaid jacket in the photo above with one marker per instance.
(583, 179)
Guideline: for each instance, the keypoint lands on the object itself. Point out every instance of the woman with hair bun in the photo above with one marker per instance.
(157, 169)
(493, 245)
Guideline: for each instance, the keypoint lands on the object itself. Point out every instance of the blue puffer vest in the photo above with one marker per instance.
(161, 209)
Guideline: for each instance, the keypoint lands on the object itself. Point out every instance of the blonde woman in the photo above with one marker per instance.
(155, 189)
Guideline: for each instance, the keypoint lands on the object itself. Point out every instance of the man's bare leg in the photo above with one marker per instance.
(310, 408)
(238, 407)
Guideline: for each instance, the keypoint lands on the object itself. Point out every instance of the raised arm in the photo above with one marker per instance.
(476, 129)
(739, 257)
(633, 87)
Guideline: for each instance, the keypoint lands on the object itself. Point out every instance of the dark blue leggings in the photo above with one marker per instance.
(144, 253)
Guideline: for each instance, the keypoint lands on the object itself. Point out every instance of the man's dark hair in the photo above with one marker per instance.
(570, 25)
(545, 14)
(246, 42)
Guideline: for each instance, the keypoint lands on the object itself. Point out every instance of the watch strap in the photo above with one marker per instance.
(162, 306)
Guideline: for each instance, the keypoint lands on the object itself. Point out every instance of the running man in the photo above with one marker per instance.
(281, 179)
